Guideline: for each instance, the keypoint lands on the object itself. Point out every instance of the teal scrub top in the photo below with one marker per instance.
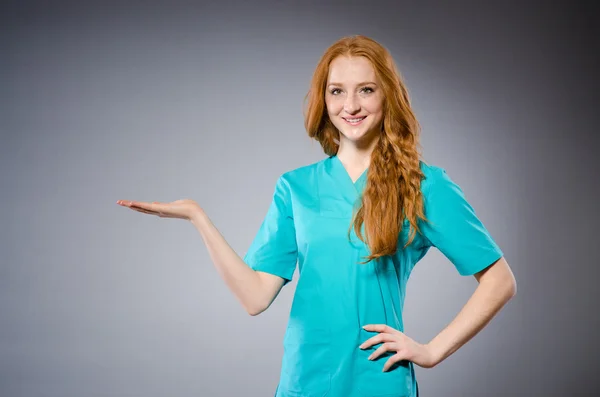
(307, 226)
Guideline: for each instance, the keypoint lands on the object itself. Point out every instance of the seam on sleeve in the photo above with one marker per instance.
(427, 196)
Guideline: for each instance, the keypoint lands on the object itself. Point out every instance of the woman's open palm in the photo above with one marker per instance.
(182, 209)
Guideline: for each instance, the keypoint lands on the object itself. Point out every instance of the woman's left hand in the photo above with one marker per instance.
(393, 340)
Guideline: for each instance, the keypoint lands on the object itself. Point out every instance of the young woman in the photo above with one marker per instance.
(356, 223)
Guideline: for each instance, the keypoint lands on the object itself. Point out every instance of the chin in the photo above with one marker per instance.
(356, 137)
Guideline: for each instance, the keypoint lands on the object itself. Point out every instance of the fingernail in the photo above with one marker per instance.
(371, 357)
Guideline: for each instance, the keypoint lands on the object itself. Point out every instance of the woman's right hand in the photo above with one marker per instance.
(182, 209)
(255, 290)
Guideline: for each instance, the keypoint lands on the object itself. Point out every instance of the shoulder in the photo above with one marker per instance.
(440, 190)
(298, 182)
(300, 176)
(432, 175)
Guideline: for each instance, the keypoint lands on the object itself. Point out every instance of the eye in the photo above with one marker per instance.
(368, 90)
(334, 91)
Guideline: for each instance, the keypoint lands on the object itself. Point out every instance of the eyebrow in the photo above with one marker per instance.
(363, 83)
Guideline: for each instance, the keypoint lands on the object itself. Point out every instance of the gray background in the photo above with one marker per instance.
(148, 101)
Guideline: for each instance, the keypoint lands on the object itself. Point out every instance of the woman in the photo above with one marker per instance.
(356, 223)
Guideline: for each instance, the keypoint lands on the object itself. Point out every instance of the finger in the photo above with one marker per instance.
(375, 327)
(370, 342)
(163, 210)
(133, 206)
(388, 346)
(160, 210)
(382, 337)
(141, 204)
(155, 207)
(143, 210)
(392, 360)
(129, 203)
(381, 328)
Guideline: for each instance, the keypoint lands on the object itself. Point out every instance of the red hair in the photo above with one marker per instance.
(393, 190)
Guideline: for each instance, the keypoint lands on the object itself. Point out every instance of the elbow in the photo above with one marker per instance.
(507, 288)
(503, 289)
(512, 288)
(511, 284)
(255, 310)
(500, 279)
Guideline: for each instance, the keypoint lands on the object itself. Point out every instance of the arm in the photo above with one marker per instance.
(458, 233)
(254, 289)
(496, 287)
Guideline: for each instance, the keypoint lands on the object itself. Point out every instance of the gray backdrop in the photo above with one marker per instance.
(148, 101)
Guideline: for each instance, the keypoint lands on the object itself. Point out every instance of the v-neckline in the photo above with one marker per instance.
(356, 183)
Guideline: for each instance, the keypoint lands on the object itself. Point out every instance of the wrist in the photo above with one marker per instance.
(197, 216)
(436, 353)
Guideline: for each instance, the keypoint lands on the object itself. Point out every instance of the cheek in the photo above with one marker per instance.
(333, 107)
(374, 106)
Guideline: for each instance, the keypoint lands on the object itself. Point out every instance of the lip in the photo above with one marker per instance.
(355, 117)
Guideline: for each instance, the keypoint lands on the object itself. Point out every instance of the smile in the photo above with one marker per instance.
(354, 121)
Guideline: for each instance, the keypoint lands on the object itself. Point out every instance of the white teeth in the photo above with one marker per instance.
(355, 120)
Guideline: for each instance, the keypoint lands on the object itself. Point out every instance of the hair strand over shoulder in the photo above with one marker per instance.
(393, 190)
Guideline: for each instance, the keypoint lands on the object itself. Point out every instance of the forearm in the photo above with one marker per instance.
(487, 300)
(243, 281)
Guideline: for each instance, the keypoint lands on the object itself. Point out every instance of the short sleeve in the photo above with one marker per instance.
(454, 227)
(274, 248)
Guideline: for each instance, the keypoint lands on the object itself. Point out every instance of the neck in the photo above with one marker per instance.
(356, 154)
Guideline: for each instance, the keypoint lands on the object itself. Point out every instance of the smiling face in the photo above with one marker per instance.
(353, 98)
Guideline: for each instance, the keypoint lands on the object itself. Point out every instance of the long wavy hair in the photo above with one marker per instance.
(393, 189)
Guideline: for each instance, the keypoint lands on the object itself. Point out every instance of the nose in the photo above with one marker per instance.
(351, 105)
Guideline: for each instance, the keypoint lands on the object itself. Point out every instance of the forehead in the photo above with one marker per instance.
(348, 70)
